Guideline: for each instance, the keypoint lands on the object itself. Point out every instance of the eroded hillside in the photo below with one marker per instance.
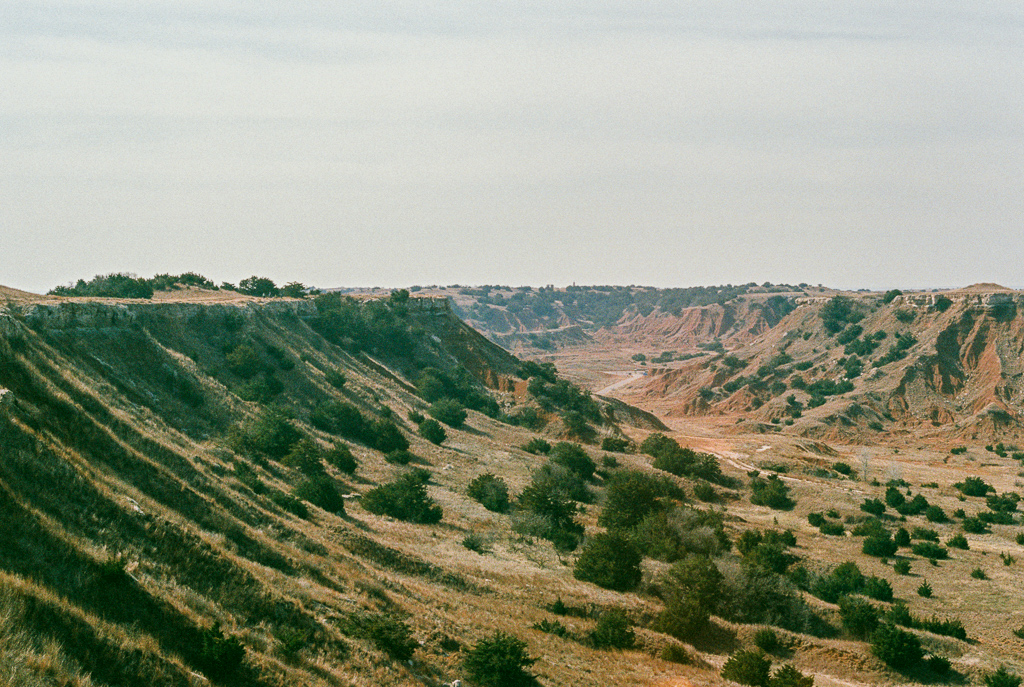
(207, 488)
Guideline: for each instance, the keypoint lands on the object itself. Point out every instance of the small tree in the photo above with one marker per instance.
(1002, 678)
(897, 648)
(788, 676)
(498, 661)
(448, 411)
(611, 561)
(432, 431)
(613, 631)
(490, 491)
(748, 668)
(405, 499)
(320, 491)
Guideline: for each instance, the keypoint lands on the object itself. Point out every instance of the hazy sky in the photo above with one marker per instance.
(856, 144)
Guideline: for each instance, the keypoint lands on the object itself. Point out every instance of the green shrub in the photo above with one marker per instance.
(896, 648)
(979, 574)
(834, 529)
(958, 541)
(901, 567)
(289, 503)
(684, 617)
(631, 495)
(574, 458)
(476, 542)
(320, 491)
(771, 492)
(271, 433)
(902, 537)
(431, 430)
(219, 656)
(489, 491)
(613, 631)
(858, 617)
(815, 519)
(340, 456)
(845, 579)
(788, 676)
(924, 589)
(878, 588)
(399, 457)
(448, 411)
(873, 506)
(935, 514)
(537, 446)
(343, 419)
(703, 491)
(767, 640)
(1002, 678)
(747, 668)
(405, 499)
(387, 437)
(498, 661)
(925, 534)
(927, 549)
(974, 486)
(881, 546)
(389, 632)
(675, 653)
(552, 628)
(335, 378)
(611, 561)
(305, 456)
(614, 444)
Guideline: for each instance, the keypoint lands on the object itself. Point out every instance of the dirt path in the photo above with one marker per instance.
(630, 376)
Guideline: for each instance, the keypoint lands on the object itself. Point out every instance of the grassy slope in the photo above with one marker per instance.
(115, 451)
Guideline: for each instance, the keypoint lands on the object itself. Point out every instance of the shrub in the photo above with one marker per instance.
(902, 537)
(289, 503)
(340, 456)
(958, 541)
(896, 648)
(552, 628)
(305, 456)
(388, 632)
(476, 542)
(614, 444)
(747, 668)
(335, 378)
(448, 411)
(873, 506)
(320, 491)
(1002, 678)
(610, 561)
(788, 676)
(675, 653)
(431, 430)
(979, 574)
(878, 588)
(574, 458)
(405, 499)
(537, 446)
(974, 486)
(935, 514)
(858, 617)
(845, 579)
(901, 567)
(925, 590)
(705, 492)
(927, 549)
(498, 661)
(219, 656)
(489, 491)
(767, 640)
(684, 618)
(881, 546)
(343, 419)
(842, 468)
(631, 495)
(613, 631)
(771, 492)
(925, 534)
(387, 437)
(834, 529)
(815, 519)
(271, 433)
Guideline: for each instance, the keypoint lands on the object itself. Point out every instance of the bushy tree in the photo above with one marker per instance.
(574, 458)
(748, 668)
(771, 492)
(610, 561)
(897, 648)
(859, 617)
(321, 491)
(431, 430)
(490, 491)
(788, 676)
(1002, 678)
(258, 286)
(498, 661)
(613, 631)
(271, 433)
(387, 437)
(405, 499)
(631, 495)
(695, 576)
(684, 618)
(340, 456)
(448, 411)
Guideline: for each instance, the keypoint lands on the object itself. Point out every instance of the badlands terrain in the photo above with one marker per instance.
(208, 487)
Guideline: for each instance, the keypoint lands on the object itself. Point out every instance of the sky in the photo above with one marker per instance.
(855, 144)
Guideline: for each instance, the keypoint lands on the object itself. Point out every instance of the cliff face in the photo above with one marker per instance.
(949, 363)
